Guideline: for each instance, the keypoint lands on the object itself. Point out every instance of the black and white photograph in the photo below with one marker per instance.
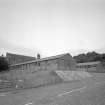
(52, 52)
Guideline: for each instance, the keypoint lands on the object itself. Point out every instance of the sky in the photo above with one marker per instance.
(52, 27)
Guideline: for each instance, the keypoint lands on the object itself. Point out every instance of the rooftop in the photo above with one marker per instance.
(88, 63)
(43, 59)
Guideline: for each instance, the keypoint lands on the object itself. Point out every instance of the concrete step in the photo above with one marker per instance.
(73, 75)
(6, 84)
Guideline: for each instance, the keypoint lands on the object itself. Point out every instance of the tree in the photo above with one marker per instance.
(80, 58)
(89, 57)
(4, 66)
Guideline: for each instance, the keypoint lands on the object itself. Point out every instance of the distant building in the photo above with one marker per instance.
(15, 58)
(97, 66)
(59, 62)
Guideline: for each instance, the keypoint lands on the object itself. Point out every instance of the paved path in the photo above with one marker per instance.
(78, 93)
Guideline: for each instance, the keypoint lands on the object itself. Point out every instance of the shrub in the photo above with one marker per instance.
(4, 66)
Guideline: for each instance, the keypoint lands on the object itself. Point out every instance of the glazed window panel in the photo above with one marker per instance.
(61, 64)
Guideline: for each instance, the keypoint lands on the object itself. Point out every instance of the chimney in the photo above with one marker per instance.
(38, 56)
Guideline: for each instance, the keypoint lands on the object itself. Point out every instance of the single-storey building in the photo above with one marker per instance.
(59, 62)
(96, 66)
(16, 58)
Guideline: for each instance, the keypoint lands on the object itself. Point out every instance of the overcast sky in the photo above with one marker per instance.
(52, 27)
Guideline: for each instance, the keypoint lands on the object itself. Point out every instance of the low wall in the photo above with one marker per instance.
(73, 75)
(28, 80)
(38, 79)
(41, 78)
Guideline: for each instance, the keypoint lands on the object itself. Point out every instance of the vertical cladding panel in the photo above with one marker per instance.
(70, 62)
(43, 65)
(22, 67)
(64, 64)
(68, 65)
(34, 64)
(52, 64)
(61, 64)
(47, 64)
(28, 68)
(32, 67)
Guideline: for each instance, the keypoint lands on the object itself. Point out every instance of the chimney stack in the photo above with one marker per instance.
(38, 56)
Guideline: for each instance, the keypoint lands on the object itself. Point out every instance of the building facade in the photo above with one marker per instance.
(59, 62)
(16, 58)
(97, 66)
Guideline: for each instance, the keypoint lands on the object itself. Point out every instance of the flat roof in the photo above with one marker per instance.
(88, 63)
